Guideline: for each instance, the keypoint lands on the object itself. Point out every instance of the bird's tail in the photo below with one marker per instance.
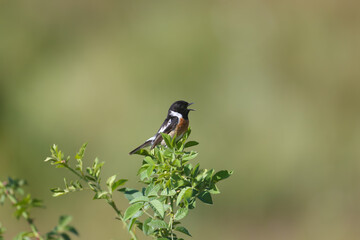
(145, 144)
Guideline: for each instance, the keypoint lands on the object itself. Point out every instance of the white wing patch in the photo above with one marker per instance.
(165, 126)
(151, 139)
(162, 129)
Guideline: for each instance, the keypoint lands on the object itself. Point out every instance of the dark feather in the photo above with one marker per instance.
(167, 130)
(145, 144)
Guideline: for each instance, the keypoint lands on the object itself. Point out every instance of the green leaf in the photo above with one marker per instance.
(64, 221)
(25, 201)
(183, 230)
(65, 183)
(89, 170)
(79, 165)
(93, 186)
(168, 153)
(143, 152)
(24, 236)
(205, 197)
(57, 194)
(37, 203)
(72, 230)
(149, 171)
(110, 182)
(221, 175)
(118, 183)
(139, 225)
(146, 228)
(101, 195)
(19, 211)
(143, 174)
(64, 236)
(168, 192)
(167, 140)
(185, 191)
(149, 160)
(202, 174)
(2, 199)
(2, 230)
(152, 190)
(190, 156)
(81, 152)
(79, 156)
(181, 213)
(214, 189)
(173, 140)
(130, 194)
(209, 174)
(157, 224)
(176, 163)
(143, 168)
(187, 169)
(77, 185)
(132, 210)
(158, 207)
(140, 199)
(131, 224)
(190, 144)
(50, 159)
(158, 154)
(97, 167)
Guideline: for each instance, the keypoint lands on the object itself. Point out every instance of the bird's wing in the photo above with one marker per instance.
(165, 124)
(166, 127)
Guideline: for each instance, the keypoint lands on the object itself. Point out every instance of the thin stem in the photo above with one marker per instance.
(75, 172)
(109, 200)
(25, 215)
(148, 214)
(113, 205)
(172, 217)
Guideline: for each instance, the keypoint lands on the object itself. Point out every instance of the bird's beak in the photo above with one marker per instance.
(190, 108)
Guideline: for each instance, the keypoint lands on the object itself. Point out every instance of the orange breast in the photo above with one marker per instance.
(182, 127)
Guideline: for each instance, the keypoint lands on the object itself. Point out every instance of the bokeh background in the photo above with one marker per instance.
(276, 85)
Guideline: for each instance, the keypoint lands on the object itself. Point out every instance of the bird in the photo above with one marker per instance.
(175, 123)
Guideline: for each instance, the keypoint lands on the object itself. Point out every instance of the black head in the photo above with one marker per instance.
(181, 107)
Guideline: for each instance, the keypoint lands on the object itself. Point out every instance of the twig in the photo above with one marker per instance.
(25, 215)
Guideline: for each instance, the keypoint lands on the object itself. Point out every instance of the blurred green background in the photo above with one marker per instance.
(275, 84)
